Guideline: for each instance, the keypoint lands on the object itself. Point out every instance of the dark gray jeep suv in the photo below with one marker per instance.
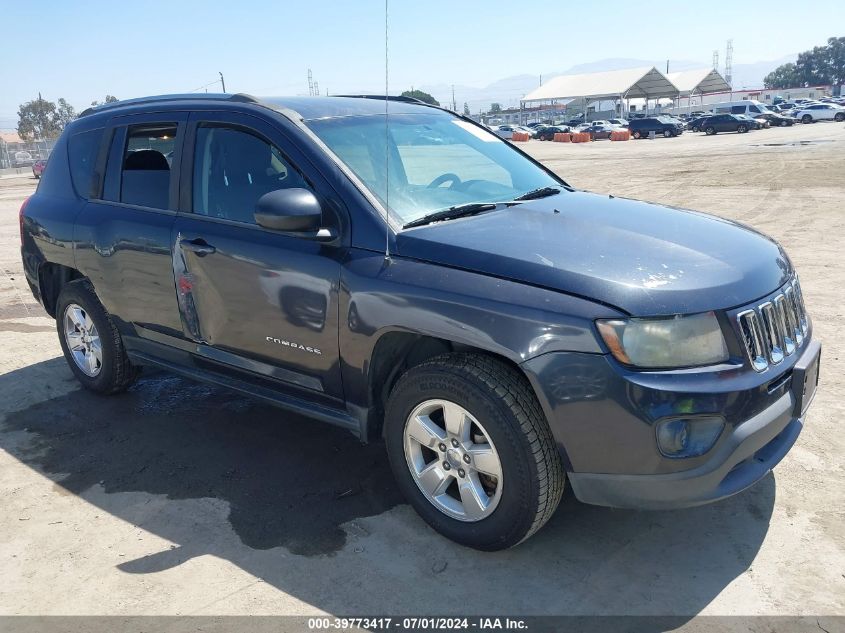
(416, 278)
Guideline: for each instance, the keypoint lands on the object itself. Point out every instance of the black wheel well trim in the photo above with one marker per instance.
(52, 278)
(395, 352)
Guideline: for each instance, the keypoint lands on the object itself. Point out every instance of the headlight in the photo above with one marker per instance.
(679, 341)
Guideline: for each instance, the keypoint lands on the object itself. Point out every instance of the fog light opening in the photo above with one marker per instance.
(688, 437)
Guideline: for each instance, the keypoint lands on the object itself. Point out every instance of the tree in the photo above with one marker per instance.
(64, 114)
(108, 99)
(422, 96)
(466, 109)
(38, 120)
(821, 65)
(785, 76)
(495, 107)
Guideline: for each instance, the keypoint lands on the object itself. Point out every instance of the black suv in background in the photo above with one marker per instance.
(725, 123)
(501, 331)
(663, 126)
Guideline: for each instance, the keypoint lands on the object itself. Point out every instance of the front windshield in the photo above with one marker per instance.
(436, 161)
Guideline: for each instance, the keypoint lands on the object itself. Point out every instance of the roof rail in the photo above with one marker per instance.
(241, 97)
(383, 97)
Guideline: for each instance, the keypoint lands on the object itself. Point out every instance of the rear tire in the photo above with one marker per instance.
(636, 135)
(839, 117)
(806, 119)
(709, 131)
(741, 129)
(492, 407)
(90, 341)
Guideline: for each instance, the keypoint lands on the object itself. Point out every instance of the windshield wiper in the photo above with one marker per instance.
(534, 194)
(458, 211)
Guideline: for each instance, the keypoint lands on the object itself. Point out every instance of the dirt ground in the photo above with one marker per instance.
(183, 499)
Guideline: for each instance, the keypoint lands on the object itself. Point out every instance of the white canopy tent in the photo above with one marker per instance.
(648, 83)
(698, 82)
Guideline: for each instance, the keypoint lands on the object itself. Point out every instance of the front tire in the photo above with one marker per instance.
(710, 131)
(472, 452)
(839, 117)
(90, 341)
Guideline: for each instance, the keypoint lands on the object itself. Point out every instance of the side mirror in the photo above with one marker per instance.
(295, 210)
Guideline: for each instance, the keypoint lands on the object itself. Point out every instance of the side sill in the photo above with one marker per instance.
(319, 412)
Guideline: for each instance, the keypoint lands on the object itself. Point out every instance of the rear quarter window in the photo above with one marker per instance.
(82, 155)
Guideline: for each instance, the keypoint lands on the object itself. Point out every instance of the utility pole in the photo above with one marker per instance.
(310, 84)
(716, 60)
(729, 55)
(454, 105)
(222, 82)
(667, 66)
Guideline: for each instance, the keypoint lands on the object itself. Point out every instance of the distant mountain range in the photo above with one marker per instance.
(510, 90)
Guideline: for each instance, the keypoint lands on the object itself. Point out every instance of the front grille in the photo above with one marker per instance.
(775, 329)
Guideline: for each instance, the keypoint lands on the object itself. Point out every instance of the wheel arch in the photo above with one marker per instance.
(397, 351)
(51, 279)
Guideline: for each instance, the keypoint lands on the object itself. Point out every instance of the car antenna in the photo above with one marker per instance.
(386, 146)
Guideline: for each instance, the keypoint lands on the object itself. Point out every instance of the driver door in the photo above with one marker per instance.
(252, 298)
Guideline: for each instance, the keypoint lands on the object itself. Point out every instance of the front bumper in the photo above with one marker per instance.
(606, 432)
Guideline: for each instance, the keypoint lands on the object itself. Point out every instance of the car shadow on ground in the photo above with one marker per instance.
(315, 513)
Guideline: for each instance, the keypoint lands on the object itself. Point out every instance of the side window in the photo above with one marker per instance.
(82, 154)
(233, 168)
(738, 109)
(754, 108)
(145, 171)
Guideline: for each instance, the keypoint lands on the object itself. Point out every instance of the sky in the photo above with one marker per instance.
(84, 50)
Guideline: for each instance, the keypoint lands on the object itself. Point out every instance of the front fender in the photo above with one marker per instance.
(511, 319)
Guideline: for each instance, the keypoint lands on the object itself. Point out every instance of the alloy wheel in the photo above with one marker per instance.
(453, 460)
(83, 340)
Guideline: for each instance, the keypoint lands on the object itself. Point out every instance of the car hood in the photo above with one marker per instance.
(642, 258)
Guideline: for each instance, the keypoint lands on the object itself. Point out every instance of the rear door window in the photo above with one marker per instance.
(145, 172)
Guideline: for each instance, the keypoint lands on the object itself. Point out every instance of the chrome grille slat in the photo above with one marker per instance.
(774, 335)
(774, 329)
(788, 338)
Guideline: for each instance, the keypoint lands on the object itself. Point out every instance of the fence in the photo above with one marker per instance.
(22, 154)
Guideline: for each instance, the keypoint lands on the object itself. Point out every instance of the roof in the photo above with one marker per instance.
(633, 82)
(10, 137)
(325, 107)
(700, 81)
(307, 107)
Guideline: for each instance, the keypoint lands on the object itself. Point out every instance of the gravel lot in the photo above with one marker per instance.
(183, 499)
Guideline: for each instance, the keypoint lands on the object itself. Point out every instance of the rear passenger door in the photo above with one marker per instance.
(123, 234)
(254, 299)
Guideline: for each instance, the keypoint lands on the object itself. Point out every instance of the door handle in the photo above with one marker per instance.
(198, 246)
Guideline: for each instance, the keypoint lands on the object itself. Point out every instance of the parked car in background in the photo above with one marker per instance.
(499, 358)
(38, 167)
(775, 119)
(820, 112)
(619, 122)
(725, 123)
(547, 132)
(504, 131)
(747, 106)
(663, 126)
(599, 131)
(753, 122)
(532, 132)
(22, 159)
(695, 124)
